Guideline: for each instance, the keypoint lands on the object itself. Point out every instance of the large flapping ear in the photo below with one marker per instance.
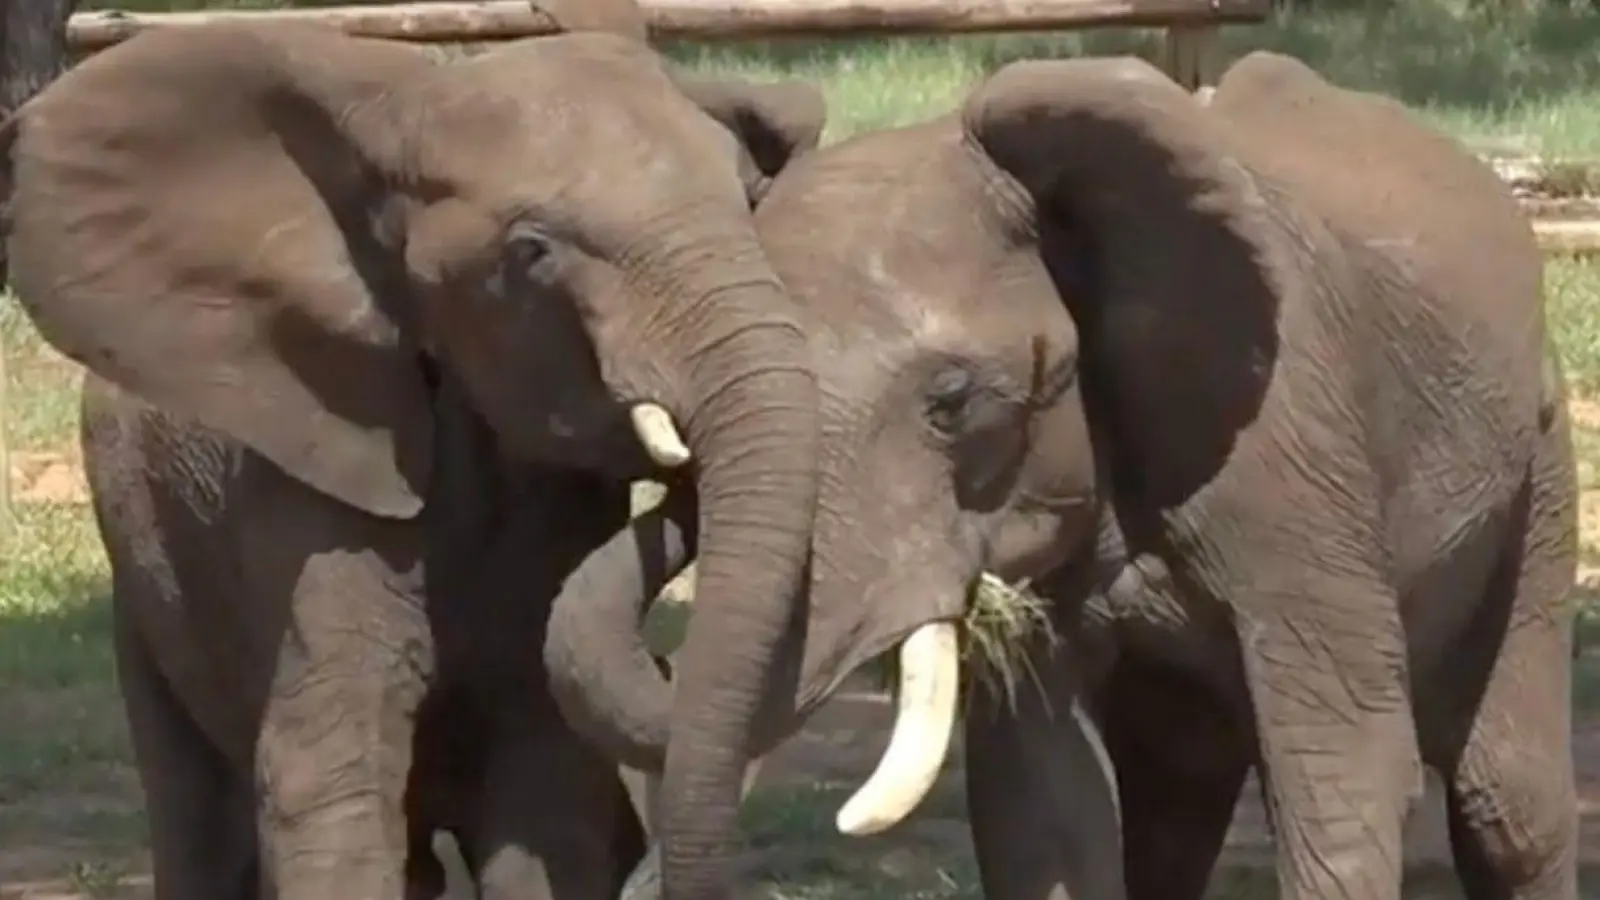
(191, 219)
(1180, 253)
(620, 17)
(776, 122)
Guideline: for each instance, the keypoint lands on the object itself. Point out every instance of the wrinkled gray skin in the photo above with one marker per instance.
(33, 52)
(1268, 381)
(281, 252)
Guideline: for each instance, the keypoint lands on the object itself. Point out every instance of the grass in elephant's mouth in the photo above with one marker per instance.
(1000, 620)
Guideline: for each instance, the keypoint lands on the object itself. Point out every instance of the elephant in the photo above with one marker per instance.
(1256, 389)
(375, 345)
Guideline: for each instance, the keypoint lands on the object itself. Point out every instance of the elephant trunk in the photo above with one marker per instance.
(730, 362)
(727, 357)
(738, 378)
(601, 673)
(753, 428)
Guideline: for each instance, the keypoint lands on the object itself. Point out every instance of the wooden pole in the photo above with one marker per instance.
(496, 20)
(1567, 237)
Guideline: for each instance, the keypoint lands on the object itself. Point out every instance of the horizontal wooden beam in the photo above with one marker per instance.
(499, 20)
(1568, 237)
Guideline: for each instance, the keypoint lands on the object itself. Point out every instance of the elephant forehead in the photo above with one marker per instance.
(893, 240)
(573, 135)
(889, 228)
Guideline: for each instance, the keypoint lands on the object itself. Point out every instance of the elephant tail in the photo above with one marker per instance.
(1552, 389)
(8, 142)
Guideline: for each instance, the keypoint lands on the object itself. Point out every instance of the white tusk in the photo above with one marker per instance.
(666, 622)
(930, 669)
(659, 436)
(680, 589)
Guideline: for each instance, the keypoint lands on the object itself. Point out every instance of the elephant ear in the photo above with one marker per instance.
(1172, 256)
(775, 122)
(191, 218)
(620, 17)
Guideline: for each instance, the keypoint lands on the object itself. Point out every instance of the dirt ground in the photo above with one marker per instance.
(830, 757)
(844, 741)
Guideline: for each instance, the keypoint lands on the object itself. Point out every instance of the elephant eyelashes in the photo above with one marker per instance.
(526, 249)
(948, 395)
(959, 404)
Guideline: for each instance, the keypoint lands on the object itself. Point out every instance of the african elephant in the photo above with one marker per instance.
(1261, 388)
(297, 266)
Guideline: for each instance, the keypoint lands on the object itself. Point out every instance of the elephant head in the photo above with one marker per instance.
(1051, 310)
(284, 232)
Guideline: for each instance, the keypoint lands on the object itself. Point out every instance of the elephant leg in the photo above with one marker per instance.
(202, 836)
(1324, 660)
(555, 822)
(425, 874)
(1179, 767)
(1512, 806)
(1041, 795)
(336, 744)
(341, 595)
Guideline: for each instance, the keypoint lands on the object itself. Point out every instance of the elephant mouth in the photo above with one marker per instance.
(624, 707)
(983, 641)
(927, 695)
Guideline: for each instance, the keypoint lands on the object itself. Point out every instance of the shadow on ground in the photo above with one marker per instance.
(69, 805)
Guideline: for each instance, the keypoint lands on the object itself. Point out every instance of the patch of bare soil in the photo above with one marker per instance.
(89, 874)
(1585, 413)
(47, 477)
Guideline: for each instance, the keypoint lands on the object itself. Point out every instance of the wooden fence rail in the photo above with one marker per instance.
(496, 20)
(1190, 54)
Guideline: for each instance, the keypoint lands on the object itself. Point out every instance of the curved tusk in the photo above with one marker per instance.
(930, 669)
(653, 425)
(680, 589)
(666, 622)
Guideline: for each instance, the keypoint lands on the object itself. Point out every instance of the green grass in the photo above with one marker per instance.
(69, 807)
(1531, 76)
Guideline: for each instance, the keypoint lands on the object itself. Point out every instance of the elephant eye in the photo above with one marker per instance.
(947, 397)
(525, 249)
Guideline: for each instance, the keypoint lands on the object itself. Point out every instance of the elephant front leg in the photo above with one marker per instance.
(1181, 760)
(336, 742)
(552, 821)
(202, 837)
(1041, 796)
(1326, 671)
